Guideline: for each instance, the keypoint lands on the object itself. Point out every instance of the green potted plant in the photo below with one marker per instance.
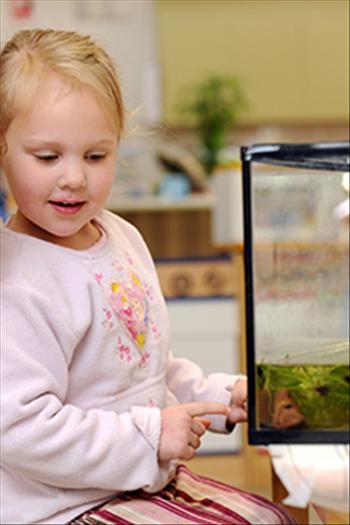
(214, 105)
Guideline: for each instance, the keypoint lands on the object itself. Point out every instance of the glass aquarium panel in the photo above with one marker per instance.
(300, 251)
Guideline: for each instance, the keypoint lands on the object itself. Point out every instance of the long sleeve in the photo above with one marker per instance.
(187, 382)
(84, 341)
(49, 440)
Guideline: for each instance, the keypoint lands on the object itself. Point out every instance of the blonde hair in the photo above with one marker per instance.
(32, 56)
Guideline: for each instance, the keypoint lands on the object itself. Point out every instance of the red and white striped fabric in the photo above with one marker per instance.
(188, 499)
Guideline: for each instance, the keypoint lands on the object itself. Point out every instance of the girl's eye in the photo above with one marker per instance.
(47, 157)
(95, 157)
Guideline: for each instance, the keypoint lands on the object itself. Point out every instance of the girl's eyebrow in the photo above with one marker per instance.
(47, 143)
(39, 142)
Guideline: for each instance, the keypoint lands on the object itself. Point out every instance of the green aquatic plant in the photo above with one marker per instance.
(320, 391)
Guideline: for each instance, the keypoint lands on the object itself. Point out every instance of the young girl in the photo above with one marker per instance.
(95, 409)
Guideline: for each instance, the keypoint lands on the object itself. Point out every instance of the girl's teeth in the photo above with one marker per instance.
(67, 204)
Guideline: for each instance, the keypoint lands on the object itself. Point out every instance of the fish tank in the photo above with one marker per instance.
(296, 262)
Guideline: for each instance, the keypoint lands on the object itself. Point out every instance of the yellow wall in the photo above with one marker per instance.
(293, 55)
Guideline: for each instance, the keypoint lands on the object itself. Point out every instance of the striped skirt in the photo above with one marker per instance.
(188, 499)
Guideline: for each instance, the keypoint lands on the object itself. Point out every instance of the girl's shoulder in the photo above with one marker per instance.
(25, 259)
(125, 235)
(113, 223)
(12, 255)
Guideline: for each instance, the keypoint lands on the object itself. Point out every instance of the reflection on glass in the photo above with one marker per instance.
(301, 299)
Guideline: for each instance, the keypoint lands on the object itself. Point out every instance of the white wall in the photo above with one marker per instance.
(206, 332)
(127, 28)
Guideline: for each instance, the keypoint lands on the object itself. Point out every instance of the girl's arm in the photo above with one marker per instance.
(45, 438)
(187, 382)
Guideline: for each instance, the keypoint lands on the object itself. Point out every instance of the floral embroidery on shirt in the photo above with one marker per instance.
(99, 277)
(107, 323)
(124, 351)
(144, 360)
(129, 300)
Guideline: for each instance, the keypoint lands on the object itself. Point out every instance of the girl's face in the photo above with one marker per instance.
(60, 165)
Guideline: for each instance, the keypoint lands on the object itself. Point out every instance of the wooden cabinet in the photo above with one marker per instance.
(172, 233)
(171, 229)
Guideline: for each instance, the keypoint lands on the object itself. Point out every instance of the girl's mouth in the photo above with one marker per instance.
(67, 208)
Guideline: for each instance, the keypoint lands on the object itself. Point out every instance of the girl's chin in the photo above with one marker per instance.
(78, 236)
(79, 239)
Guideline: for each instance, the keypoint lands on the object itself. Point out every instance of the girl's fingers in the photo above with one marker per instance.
(194, 440)
(199, 425)
(205, 422)
(203, 408)
(238, 415)
(189, 453)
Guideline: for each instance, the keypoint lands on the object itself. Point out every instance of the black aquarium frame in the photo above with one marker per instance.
(330, 156)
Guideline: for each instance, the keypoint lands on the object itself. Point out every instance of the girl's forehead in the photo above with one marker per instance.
(48, 92)
(52, 97)
(38, 93)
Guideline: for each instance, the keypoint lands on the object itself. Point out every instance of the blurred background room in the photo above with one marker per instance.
(201, 79)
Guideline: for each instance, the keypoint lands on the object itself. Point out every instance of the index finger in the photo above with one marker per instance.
(207, 407)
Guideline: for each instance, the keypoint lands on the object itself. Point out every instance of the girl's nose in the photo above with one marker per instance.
(73, 176)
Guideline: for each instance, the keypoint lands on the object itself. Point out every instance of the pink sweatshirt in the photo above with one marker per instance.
(85, 369)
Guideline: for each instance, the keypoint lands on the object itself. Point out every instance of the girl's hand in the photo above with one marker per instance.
(238, 412)
(182, 428)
